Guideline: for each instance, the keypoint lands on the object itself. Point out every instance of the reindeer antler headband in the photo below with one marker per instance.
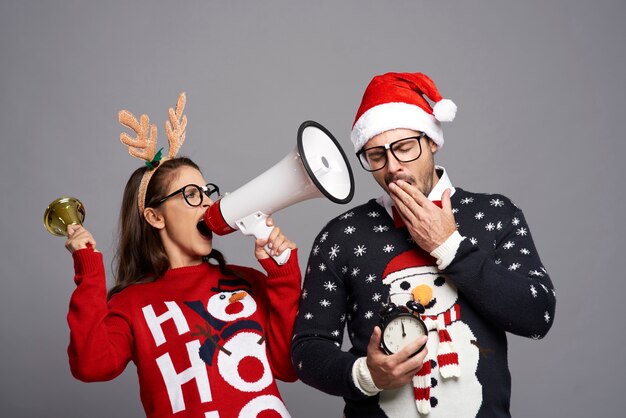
(143, 146)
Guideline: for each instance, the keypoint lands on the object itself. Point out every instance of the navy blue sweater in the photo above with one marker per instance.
(500, 282)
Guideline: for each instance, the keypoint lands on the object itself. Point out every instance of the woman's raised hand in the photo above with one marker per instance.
(79, 238)
(277, 243)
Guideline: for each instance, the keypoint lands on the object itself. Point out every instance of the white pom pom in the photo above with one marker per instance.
(444, 110)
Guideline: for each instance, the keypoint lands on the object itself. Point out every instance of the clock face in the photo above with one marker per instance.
(400, 331)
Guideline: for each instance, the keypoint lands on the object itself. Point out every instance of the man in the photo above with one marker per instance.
(467, 258)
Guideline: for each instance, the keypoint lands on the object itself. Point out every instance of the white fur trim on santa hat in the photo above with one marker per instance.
(388, 116)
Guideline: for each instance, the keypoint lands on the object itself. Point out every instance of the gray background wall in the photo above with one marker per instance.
(541, 95)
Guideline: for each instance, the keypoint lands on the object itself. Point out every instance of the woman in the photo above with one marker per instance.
(207, 338)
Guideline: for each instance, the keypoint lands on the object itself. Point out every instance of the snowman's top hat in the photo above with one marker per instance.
(232, 285)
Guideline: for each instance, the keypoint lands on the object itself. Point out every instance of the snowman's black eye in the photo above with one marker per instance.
(440, 281)
(405, 285)
(222, 297)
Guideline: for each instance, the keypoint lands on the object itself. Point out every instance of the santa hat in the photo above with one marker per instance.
(415, 257)
(396, 100)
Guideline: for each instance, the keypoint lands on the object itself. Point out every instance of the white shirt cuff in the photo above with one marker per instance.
(363, 378)
(446, 252)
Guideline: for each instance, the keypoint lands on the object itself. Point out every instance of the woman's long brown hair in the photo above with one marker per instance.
(140, 256)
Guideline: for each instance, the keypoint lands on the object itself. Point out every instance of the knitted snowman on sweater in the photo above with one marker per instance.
(449, 370)
(238, 347)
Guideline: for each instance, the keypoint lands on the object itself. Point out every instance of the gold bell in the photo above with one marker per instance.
(62, 212)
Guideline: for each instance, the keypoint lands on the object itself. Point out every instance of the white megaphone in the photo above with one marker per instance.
(317, 167)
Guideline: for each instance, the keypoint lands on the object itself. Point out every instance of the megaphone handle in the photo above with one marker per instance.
(255, 224)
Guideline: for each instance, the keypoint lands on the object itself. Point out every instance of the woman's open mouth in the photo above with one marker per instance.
(204, 229)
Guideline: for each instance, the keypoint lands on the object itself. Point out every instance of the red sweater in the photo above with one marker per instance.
(205, 345)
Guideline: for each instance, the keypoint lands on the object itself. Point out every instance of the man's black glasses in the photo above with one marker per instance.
(404, 150)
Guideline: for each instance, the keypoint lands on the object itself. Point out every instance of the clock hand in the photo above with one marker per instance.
(403, 332)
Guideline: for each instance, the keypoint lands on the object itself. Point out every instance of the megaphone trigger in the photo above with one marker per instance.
(256, 224)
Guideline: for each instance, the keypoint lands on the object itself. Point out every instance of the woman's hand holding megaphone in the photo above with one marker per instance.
(275, 245)
(79, 238)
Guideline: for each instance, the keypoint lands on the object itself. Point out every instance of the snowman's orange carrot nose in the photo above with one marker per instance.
(422, 294)
(237, 297)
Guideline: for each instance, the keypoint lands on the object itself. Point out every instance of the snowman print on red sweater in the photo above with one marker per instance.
(238, 347)
(447, 385)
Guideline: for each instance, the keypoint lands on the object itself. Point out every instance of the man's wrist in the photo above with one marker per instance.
(446, 252)
(363, 378)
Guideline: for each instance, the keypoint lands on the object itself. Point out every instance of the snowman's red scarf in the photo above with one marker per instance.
(447, 357)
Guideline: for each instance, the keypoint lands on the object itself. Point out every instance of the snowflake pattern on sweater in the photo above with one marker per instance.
(499, 283)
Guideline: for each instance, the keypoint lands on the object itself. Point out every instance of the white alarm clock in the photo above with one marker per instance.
(401, 327)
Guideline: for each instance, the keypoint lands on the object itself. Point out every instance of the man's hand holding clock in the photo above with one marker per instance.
(396, 353)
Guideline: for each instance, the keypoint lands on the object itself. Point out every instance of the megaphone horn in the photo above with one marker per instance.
(62, 212)
(316, 167)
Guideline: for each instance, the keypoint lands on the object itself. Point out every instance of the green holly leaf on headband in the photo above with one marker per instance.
(155, 161)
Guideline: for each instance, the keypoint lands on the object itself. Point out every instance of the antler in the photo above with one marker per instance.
(175, 127)
(144, 145)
